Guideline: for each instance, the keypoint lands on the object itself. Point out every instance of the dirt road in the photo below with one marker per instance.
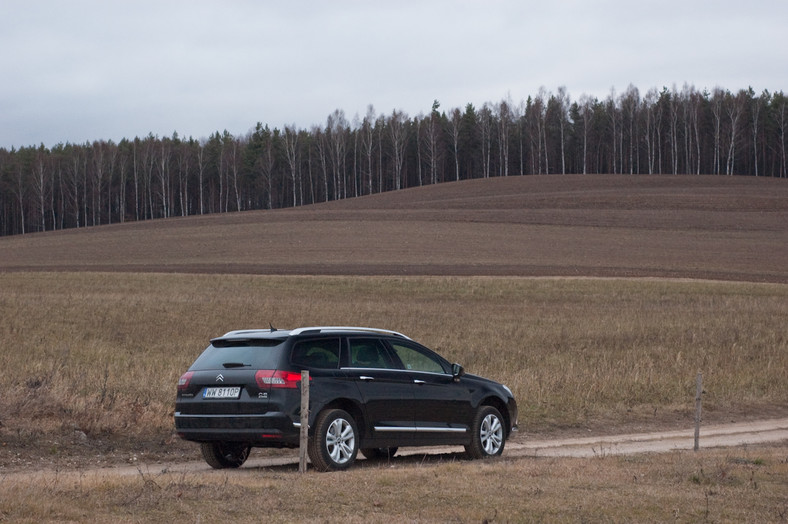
(724, 435)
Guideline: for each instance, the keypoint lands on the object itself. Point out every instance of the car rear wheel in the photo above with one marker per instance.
(220, 455)
(334, 443)
(488, 437)
(379, 453)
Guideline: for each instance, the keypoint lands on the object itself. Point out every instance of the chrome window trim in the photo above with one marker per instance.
(351, 368)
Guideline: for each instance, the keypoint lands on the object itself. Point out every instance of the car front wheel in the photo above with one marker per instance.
(488, 437)
(334, 444)
(220, 455)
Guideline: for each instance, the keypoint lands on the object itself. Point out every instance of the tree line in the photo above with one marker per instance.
(666, 131)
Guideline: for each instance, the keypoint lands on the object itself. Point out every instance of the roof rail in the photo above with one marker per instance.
(241, 332)
(326, 329)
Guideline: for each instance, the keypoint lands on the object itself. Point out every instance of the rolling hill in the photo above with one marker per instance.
(710, 227)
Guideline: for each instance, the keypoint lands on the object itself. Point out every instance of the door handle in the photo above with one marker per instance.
(364, 377)
(417, 381)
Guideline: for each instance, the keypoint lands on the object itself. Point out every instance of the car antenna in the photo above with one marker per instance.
(272, 327)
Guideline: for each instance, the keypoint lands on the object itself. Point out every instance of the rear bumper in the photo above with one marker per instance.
(268, 429)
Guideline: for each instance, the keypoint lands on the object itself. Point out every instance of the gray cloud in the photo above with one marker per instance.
(86, 70)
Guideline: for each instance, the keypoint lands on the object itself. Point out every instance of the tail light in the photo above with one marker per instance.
(183, 382)
(269, 378)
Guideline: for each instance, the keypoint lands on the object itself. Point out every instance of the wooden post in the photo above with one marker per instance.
(304, 436)
(698, 403)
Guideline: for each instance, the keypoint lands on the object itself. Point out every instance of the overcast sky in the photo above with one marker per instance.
(83, 70)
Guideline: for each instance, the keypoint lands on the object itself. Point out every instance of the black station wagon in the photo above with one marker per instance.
(370, 390)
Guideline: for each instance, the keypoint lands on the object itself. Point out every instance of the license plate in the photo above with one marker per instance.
(228, 392)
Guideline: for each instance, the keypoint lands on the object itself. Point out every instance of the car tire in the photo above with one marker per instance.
(379, 453)
(489, 436)
(333, 445)
(221, 455)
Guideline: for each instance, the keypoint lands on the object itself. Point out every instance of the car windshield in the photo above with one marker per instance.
(240, 353)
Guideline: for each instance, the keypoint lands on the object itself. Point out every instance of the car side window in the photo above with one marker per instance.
(322, 353)
(368, 353)
(416, 360)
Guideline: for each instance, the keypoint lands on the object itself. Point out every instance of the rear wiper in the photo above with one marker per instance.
(236, 365)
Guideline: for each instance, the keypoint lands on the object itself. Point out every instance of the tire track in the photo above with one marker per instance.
(722, 435)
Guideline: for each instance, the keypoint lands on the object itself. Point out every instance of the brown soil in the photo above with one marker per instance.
(705, 227)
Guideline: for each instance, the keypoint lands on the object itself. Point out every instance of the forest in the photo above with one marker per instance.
(667, 131)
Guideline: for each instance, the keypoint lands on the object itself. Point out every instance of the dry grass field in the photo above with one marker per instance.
(733, 485)
(99, 323)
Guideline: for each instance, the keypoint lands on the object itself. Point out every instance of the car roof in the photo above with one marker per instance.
(312, 330)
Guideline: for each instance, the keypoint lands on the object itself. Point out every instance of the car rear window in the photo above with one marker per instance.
(240, 353)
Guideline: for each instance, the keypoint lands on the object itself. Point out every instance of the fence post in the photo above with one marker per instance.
(304, 435)
(698, 397)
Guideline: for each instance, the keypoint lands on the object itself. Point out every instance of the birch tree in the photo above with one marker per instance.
(673, 130)
(354, 133)
(148, 165)
(122, 166)
(368, 144)
(202, 161)
(485, 131)
(291, 154)
(267, 162)
(41, 182)
(183, 162)
(735, 107)
(518, 120)
(537, 115)
(586, 112)
(716, 110)
(454, 130)
(321, 147)
(417, 121)
(336, 132)
(112, 160)
(380, 126)
(97, 180)
(504, 114)
(694, 103)
(782, 122)
(163, 171)
(563, 118)
(233, 165)
(20, 190)
(755, 111)
(398, 134)
(613, 115)
(630, 104)
(431, 139)
(74, 177)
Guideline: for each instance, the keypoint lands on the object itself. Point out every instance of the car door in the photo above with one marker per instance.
(386, 390)
(441, 406)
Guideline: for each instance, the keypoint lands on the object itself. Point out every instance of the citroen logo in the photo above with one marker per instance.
(219, 378)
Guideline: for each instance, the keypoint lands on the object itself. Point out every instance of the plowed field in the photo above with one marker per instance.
(709, 227)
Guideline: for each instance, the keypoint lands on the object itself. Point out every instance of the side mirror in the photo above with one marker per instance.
(457, 371)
